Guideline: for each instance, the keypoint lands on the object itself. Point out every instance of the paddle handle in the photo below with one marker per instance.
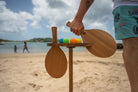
(69, 24)
(54, 34)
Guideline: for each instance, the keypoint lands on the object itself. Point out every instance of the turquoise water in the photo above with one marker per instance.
(33, 47)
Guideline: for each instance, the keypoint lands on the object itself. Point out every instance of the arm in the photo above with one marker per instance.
(77, 25)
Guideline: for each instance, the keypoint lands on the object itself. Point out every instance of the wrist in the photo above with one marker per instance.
(78, 19)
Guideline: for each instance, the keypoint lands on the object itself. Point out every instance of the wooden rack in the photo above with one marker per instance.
(70, 46)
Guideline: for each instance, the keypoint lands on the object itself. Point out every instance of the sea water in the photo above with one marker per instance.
(33, 47)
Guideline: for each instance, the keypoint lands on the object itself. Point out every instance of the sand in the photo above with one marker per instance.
(27, 73)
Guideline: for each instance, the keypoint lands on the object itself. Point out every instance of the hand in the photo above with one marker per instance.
(76, 27)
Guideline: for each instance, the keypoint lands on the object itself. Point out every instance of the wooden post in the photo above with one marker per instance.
(54, 34)
(70, 69)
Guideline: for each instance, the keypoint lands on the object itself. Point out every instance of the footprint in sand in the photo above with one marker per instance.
(84, 85)
(35, 74)
(34, 86)
(30, 62)
(6, 60)
(3, 70)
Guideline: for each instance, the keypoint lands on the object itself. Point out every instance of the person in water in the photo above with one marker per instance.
(25, 47)
(15, 49)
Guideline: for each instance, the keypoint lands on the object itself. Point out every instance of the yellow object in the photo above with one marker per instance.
(78, 40)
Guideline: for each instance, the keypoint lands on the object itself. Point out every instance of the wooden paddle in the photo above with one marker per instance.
(103, 44)
(55, 61)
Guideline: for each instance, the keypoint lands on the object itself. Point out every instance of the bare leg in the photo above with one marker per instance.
(27, 50)
(130, 55)
(23, 50)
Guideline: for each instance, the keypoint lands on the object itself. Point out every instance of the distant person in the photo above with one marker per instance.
(15, 49)
(25, 47)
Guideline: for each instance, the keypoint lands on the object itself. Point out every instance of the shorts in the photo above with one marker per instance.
(126, 22)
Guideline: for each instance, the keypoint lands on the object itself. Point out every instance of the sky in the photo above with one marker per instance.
(27, 19)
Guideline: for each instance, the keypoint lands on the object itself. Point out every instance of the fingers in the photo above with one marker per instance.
(76, 31)
(79, 31)
(76, 27)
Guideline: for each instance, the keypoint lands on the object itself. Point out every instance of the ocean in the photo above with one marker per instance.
(33, 47)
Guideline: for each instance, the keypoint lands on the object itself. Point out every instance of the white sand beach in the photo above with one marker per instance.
(27, 73)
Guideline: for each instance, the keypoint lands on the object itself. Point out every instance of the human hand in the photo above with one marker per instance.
(76, 27)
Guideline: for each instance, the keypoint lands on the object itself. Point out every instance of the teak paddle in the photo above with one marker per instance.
(103, 44)
(55, 61)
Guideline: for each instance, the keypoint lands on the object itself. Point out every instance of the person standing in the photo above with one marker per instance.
(15, 49)
(126, 29)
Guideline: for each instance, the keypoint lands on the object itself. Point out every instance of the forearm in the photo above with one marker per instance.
(84, 6)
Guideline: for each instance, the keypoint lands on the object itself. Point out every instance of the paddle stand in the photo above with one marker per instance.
(70, 46)
(70, 69)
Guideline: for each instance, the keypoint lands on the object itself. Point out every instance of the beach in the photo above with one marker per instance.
(25, 72)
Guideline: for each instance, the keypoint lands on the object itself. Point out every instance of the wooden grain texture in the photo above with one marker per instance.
(70, 69)
(55, 61)
(103, 44)
(69, 44)
(54, 34)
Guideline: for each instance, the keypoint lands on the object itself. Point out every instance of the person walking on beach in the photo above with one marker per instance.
(25, 47)
(15, 49)
(125, 22)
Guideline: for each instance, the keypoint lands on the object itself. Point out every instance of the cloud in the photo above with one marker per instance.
(96, 25)
(54, 13)
(57, 12)
(11, 21)
(100, 12)
(57, 4)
